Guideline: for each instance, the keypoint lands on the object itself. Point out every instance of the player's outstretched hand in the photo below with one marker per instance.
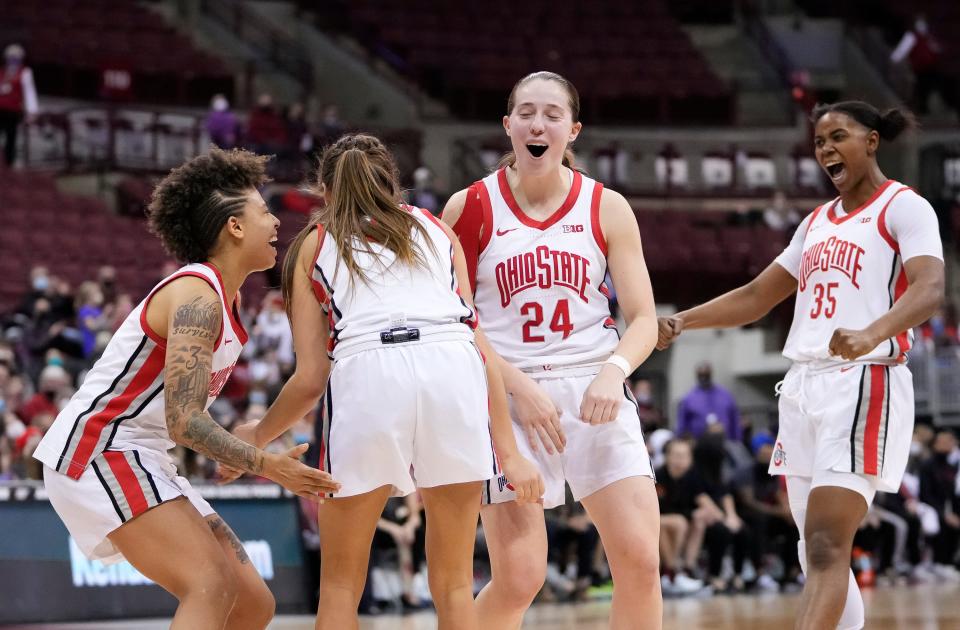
(523, 478)
(668, 329)
(287, 470)
(851, 344)
(539, 417)
(601, 401)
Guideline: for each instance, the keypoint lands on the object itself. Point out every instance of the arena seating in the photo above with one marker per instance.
(630, 61)
(70, 43)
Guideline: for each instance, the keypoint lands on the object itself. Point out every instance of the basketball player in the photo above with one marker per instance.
(866, 268)
(106, 467)
(539, 238)
(375, 283)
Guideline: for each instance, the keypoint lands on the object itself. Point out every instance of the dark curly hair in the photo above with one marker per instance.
(190, 205)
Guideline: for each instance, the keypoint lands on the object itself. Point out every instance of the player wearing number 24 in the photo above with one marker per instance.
(539, 236)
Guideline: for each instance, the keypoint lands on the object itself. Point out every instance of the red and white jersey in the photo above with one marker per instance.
(120, 405)
(395, 295)
(849, 269)
(539, 284)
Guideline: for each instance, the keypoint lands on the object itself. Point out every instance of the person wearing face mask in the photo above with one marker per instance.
(708, 404)
(18, 98)
(866, 268)
(539, 237)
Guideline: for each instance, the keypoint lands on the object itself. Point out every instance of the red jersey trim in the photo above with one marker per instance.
(154, 335)
(486, 221)
(882, 222)
(832, 214)
(238, 328)
(469, 227)
(318, 290)
(558, 214)
(595, 218)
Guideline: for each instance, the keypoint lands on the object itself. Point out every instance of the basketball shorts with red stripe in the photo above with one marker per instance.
(856, 418)
(411, 415)
(595, 455)
(115, 488)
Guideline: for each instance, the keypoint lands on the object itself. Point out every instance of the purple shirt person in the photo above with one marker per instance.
(706, 404)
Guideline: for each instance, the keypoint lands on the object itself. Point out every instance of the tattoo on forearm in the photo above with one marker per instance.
(188, 367)
(201, 433)
(222, 530)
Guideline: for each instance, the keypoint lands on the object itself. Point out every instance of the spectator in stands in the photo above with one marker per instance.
(222, 124)
(331, 127)
(681, 492)
(401, 527)
(266, 131)
(272, 332)
(107, 280)
(938, 489)
(780, 216)
(706, 404)
(54, 383)
(570, 534)
(423, 194)
(763, 506)
(717, 520)
(924, 53)
(941, 328)
(651, 417)
(91, 318)
(299, 139)
(18, 99)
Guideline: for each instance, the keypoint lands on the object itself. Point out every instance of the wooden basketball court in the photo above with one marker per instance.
(923, 607)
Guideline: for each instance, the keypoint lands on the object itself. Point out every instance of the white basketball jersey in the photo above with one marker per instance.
(540, 291)
(120, 404)
(395, 295)
(849, 270)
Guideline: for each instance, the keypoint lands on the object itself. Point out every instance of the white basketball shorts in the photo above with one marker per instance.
(115, 488)
(595, 455)
(855, 419)
(410, 415)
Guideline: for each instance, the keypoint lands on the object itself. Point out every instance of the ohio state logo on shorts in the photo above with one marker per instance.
(779, 456)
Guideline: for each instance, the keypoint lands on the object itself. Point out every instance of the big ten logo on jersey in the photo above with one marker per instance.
(218, 380)
(567, 229)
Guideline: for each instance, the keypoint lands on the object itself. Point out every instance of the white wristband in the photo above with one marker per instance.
(620, 362)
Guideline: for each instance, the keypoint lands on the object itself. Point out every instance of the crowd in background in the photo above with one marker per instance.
(726, 525)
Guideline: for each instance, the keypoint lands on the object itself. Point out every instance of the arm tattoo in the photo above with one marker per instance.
(222, 531)
(188, 366)
(199, 318)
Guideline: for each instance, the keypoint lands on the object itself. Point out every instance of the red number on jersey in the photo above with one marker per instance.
(561, 319)
(819, 292)
(536, 320)
(560, 322)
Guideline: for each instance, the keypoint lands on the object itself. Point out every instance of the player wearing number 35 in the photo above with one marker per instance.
(539, 237)
(866, 268)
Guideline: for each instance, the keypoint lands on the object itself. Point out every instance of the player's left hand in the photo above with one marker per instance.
(850, 344)
(524, 478)
(601, 401)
